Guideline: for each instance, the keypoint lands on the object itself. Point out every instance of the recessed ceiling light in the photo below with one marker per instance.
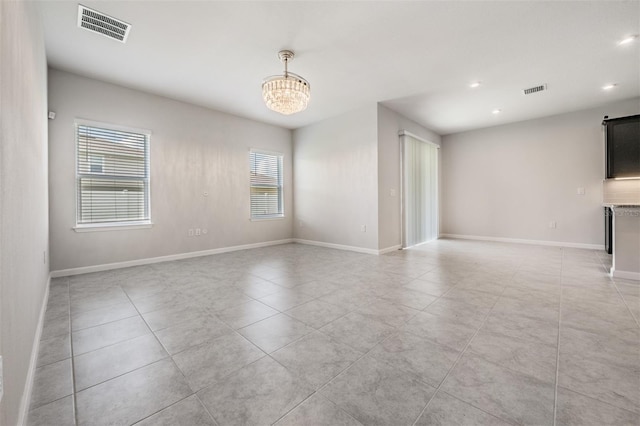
(475, 84)
(496, 111)
(609, 86)
(628, 40)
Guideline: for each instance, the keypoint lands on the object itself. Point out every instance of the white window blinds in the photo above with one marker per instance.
(112, 176)
(266, 185)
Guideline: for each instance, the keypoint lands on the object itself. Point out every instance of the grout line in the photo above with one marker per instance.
(615, 407)
(123, 374)
(555, 388)
(73, 368)
(162, 409)
(464, 350)
(319, 396)
(206, 409)
(478, 408)
(98, 325)
(615, 285)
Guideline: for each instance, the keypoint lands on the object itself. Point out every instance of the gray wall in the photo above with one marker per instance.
(510, 181)
(24, 229)
(626, 242)
(336, 180)
(193, 150)
(389, 124)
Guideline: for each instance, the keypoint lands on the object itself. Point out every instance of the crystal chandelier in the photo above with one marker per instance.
(288, 93)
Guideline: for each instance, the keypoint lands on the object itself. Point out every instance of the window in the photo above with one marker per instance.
(112, 176)
(266, 185)
(96, 163)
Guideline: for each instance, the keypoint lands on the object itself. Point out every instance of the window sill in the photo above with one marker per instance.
(262, 219)
(112, 227)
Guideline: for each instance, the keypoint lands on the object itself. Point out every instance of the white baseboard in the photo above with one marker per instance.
(25, 401)
(522, 241)
(335, 246)
(347, 248)
(389, 249)
(150, 260)
(627, 275)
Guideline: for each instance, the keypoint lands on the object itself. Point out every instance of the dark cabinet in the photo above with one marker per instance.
(623, 146)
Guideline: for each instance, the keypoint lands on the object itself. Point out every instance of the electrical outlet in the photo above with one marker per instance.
(198, 232)
(552, 225)
(191, 232)
(392, 192)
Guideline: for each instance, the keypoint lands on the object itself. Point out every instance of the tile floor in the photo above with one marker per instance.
(450, 333)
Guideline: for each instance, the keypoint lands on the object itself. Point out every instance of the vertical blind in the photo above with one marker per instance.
(112, 176)
(266, 185)
(420, 170)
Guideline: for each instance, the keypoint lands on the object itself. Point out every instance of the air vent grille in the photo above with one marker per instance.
(535, 89)
(100, 23)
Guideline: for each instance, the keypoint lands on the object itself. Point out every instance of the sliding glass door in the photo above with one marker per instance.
(420, 190)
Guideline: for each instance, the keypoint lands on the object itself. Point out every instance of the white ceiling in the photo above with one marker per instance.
(415, 57)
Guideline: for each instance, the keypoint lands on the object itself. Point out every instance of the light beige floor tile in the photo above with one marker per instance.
(275, 332)
(377, 393)
(189, 412)
(317, 411)
(51, 383)
(108, 334)
(445, 410)
(578, 410)
(210, 362)
(316, 358)
(501, 392)
(132, 397)
(257, 394)
(106, 363)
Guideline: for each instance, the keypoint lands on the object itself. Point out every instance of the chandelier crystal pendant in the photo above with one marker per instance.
(288, 93)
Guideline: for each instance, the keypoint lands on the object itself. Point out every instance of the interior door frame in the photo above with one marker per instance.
(403, 229)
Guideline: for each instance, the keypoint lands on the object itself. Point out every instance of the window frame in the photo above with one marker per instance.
(280, 215)
(111, 226)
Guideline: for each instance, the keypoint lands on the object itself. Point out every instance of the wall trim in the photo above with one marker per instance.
(347, 248)
(336, 246)
(389, 249)
(523, 241)
(625, 274)
(168, 258)
(25, 401)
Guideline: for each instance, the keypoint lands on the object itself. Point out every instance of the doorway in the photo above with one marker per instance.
(419, 170)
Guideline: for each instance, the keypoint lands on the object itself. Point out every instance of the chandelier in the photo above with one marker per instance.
(288, 93)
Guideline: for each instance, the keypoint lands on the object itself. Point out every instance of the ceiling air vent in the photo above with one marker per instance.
(100, 23)
(535, 89)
